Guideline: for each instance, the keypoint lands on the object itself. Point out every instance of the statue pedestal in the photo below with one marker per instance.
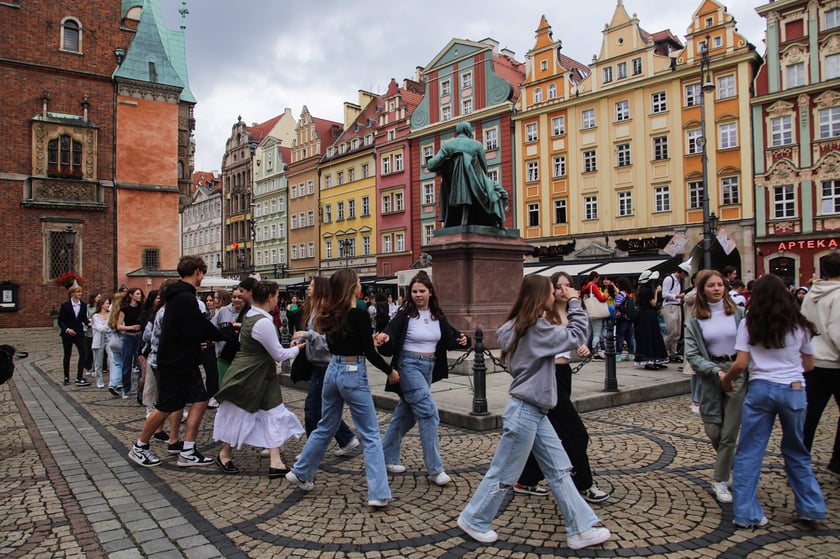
(477, 276)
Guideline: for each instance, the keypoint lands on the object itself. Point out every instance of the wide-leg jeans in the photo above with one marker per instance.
(416, 406)
(527, 429)
(312, 408)
(347, 382)
(765, 400)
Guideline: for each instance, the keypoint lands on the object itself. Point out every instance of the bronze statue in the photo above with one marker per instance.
(468, 196)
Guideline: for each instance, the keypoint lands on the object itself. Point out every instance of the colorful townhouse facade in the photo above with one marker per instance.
(796, 139)
(238, 203)
(312, 137)
(270, 202)
(608, 157)
(471, 82)
(393, 176)
(77, 103)
(348, 193)
(201, 221)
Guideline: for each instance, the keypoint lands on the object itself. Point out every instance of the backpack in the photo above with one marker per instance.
(627, 310)
(7, 363)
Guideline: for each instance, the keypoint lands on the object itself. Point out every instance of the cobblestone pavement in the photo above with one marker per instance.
(70, 491)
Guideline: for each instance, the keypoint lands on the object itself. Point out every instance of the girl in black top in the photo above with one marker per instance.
(347, 330)
(132, 332)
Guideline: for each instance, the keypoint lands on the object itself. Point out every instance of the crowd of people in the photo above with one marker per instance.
(754, 352)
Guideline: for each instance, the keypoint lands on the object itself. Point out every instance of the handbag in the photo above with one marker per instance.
(301, 367)
(115, 342)
(595, 308)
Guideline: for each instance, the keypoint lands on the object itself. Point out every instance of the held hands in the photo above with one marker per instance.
(726, 384)
(298, 342)
(381, 338)
(393, 377)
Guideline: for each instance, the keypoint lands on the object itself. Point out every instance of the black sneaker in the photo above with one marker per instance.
(114, 392)
(82, 382)
(161, 436)
(193, 458)
(537, 490)
(176, 448)
(67, 382)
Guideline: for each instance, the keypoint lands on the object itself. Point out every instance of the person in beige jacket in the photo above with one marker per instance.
(822, 307)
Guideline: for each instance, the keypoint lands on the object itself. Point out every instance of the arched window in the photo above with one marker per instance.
(785, 268)
(71, 36)
(552, 91)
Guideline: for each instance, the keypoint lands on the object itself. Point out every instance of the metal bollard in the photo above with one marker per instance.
(285, 338)
(479, 376)
(610, 380)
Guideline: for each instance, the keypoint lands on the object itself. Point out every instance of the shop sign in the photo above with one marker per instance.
(813, 243)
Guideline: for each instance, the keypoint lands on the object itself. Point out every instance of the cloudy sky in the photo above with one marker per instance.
(255, 57)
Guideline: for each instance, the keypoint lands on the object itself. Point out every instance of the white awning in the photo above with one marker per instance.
(628, 267)
(288, 281)
(216, 281)
(571, 268)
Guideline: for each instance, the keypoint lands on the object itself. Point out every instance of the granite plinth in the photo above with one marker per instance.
(477, 277)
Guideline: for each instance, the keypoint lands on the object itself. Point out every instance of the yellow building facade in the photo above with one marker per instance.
(607, 155)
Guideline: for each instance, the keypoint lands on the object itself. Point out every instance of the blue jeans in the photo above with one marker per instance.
(526, 430)
(765, 400)
(624, 332)
(131, 345)
(115, 376)
(415, 406)
(347, 382)
(312, 408)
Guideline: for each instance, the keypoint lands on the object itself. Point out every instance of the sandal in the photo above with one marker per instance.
(226, 467)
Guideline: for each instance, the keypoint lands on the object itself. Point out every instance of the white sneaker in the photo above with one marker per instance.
(378, 503)
(593, 536)
(695, 408)
(342, 450)
(395, 468)
(184, 416)
(595, 495)
(143, 456)
(440, 479)
(303, 485)
(264, 452)
(212, 404)
(721, 492)
(484, 537)
(149, 411)
(100, 385)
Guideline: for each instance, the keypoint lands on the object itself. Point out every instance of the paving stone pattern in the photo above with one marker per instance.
(70, 491)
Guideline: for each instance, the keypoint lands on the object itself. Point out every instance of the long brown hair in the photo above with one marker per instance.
(116, 307)
(558, 313)
(411, 309)
(773, 313)
(529, 306)
(316, 300)
(701, 304)
(332, 317)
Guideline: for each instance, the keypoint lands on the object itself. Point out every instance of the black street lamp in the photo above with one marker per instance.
(345, 249)
(706, 86)
(69, 246)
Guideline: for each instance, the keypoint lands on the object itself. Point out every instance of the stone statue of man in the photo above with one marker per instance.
(468, 196)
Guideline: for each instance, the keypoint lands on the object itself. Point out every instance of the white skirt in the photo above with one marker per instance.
(263, 429)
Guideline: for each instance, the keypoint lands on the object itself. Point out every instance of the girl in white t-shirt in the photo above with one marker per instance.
(774, 341)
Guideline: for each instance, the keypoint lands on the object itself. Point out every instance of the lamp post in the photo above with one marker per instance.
(69, 245)
(706, 86)
(345, 249)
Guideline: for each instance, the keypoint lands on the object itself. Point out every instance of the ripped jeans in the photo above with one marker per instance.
(527, 429)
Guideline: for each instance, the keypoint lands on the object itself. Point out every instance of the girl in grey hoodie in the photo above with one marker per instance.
(529, 342)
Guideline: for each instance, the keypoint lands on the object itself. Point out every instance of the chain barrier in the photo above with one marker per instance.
(498, 363)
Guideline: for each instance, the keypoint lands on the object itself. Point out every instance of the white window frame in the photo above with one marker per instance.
(559, 166)
(730, 191)
(692, 145)
(662, 198)
(726, 87)
(532, 171)
(558, 126)
(658, 102)
(795, 75)
(728, 135)
(608, 74)
(625, 203)
(590, 161)
(491, 139)
(531, 134)
(695, 195)
(533, 213)
(830, 199)
(587, 119)
(693, 91)
(660, 148)
(590, 208)
(561, 207)
(622, 155)
(829, 122)
(784, 202)
(781, 131)
(622, 110)
(428, 193)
